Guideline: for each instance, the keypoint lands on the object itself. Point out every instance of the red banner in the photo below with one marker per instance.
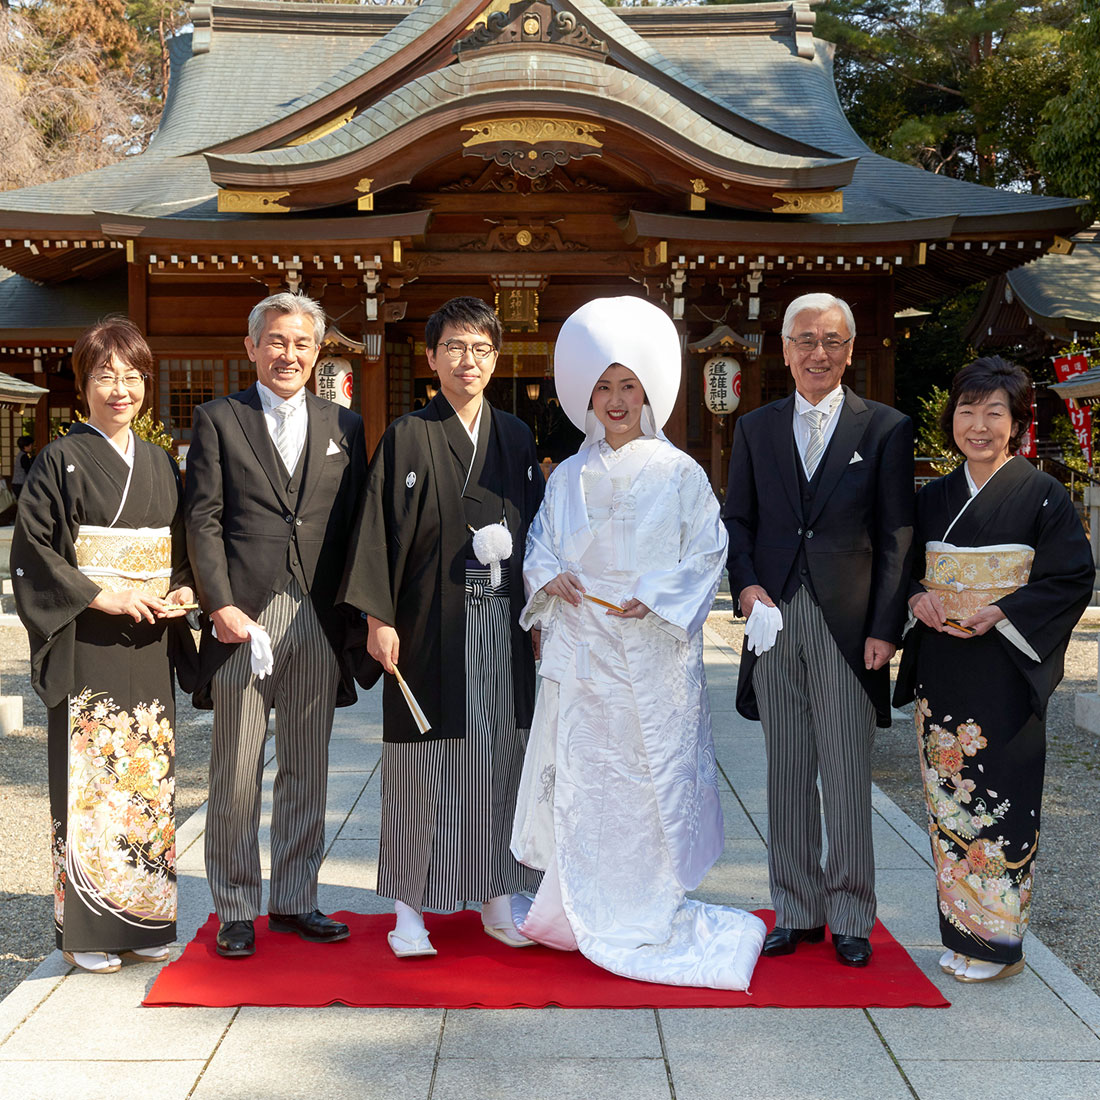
(1081, 419)
(1065, 367)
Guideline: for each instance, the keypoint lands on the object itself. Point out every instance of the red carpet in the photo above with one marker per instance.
(474, 971)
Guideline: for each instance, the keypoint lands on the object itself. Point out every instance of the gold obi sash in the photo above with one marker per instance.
(969, 578)
(125, 557)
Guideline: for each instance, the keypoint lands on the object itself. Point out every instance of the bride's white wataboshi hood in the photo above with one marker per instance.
(627, 330)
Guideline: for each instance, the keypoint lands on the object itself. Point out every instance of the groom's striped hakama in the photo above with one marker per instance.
(448, 804)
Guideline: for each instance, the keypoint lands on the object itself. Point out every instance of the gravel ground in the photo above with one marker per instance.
(26, 898)
(1064, 915)
(1064, 912)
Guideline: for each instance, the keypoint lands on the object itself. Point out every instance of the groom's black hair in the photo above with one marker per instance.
(468, 313)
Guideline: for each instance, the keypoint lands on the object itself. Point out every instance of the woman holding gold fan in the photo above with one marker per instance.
(1006, 573)
(619, 800)
(99, 567)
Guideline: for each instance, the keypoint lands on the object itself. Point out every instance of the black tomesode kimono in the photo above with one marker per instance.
(448, 796)
(981, 701)
(108, 684)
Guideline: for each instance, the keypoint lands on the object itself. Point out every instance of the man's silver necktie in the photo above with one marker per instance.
(815, 446)
(284, 442)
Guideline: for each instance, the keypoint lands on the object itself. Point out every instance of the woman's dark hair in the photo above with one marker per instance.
(973, 385)
(468, 313)
(116, 335)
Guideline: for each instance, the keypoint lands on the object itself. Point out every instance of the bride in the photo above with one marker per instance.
(618, 801)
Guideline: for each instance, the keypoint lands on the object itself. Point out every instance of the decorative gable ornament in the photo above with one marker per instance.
(532, 146)
(532, 23)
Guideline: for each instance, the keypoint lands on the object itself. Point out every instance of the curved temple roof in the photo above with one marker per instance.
(565, 84)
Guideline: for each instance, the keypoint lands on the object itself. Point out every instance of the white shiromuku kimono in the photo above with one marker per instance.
(618, 802)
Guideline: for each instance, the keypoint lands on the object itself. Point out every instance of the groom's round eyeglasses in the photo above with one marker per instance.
(456, 349)
(831, 344)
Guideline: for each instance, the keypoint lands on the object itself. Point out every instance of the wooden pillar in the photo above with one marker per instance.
(137, 292)
(374, 393)
(880, 386)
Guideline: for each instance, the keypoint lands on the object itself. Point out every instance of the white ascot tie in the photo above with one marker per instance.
(815, 445)
(284, 438)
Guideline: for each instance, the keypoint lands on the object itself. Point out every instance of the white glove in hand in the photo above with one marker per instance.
(263, 660)
(763, 625)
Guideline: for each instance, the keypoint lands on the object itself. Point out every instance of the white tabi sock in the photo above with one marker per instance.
(410, 924)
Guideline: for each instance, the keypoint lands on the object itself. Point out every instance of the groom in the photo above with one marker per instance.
(273, 479)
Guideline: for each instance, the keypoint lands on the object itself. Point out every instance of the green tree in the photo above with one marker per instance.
(155, 22)
(955, 86)
(931, 439)
(1067, 147)
(930, 351)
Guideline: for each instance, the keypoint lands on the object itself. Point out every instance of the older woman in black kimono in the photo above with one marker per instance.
(1007, 572)
(99, 566)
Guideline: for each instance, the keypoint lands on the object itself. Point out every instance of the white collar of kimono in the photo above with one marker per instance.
(626, 330)
(126, 454)
(974, 487)
(576, 529)
(475, 428)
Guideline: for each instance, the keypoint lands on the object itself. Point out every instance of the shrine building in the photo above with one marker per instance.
(536, 154)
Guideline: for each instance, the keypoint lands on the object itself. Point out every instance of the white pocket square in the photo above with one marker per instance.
(333, 448)
(857, 457)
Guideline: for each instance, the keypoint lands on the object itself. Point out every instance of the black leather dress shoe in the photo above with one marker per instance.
(783, 941)
(852, 950)
(236, 939)
(314, 927)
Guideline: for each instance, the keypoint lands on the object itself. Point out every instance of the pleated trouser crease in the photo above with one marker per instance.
(302, 689)
(448, 805)
(817, 719)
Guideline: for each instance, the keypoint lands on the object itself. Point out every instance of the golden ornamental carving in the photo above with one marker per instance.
(699, 187)
(252, 202)
(325, 128)
(534, 237)
(809, 202)
(533, 131)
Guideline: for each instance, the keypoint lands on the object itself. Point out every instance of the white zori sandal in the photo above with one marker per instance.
(498, 921)
(146, 954)
(978, 971)
(94, 962)
(409, 939)
(405, 948)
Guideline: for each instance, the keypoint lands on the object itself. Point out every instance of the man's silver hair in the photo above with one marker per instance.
(285, 302)
(817, 303)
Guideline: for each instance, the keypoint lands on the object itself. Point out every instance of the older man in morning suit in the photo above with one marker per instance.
(819, 509)
(274, 476)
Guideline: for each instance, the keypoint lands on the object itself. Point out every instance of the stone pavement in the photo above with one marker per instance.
(68, 1034)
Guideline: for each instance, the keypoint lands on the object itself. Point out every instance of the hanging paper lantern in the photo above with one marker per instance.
(334, 380)
(722, 384)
